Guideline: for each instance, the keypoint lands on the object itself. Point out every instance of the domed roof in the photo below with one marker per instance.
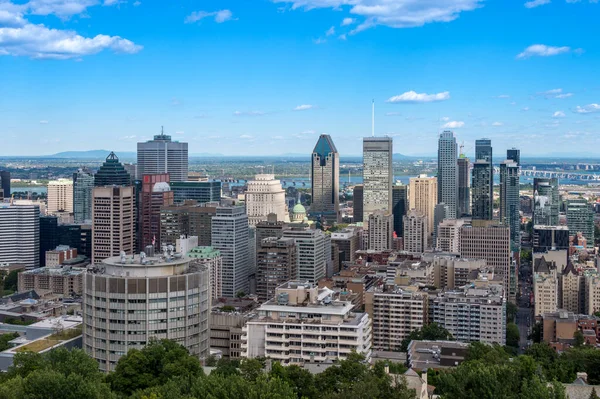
(161, 187)
(298, 208)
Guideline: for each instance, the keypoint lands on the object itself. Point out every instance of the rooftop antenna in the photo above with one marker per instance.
(373, 120)
(162, 130)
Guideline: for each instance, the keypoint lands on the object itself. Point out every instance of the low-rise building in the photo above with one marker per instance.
(436, 354)
(227, 319)
(67, 281)
(303, 323)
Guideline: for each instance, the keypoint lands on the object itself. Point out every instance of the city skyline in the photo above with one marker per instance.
(314, 71)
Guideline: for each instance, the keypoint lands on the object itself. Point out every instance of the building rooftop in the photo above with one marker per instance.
(57, 271)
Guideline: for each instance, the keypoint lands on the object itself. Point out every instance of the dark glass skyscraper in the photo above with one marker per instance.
(112, 173)
(482, 188)
(357, 203)
(5, 183)
(510, 201)
(514, 155)
(399, 207)
(463, 206)
(83, 184)
(447, 175)
(325, 176)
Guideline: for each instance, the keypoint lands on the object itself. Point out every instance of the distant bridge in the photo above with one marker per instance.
(556, 174)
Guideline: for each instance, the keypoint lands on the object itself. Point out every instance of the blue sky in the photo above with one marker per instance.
(263, 77)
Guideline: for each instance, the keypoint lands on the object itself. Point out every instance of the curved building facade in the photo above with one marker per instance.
(130, 300)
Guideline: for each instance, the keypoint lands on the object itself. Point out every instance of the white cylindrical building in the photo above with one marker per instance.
(264, 196)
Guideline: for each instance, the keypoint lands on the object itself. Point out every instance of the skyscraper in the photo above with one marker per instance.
(447, 178)
(514, 154)
(5, 183)
(276, 264)
(510, 201)
(188, 220)
(463, 207)
(230, 237)
(423, 197)
(162, 155)
(200, 191)
(399, 207)
(83, 184)
(325, 175)
(20, 234)
(357, 203)
(155, 195)
(381, 225)
(580, 219)
(483, 180)
(264, 196)
(545, 201)
(416, 232)
(112, 173)
(312, 259)
(378, 175)
(60, 196)
(113, 222)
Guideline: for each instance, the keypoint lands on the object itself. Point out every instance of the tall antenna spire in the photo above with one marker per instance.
(162, 130)
(373, 120)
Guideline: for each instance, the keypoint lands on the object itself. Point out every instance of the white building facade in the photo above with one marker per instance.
(264, 196)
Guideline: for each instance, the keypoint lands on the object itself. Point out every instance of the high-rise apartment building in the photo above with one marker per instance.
(303, 323)
(156, 194)
(313, 247)
(272, 227)
(357, 203)
(325, 175)
(199, 191)
(112, 173)
(264, 196)
(113, 222)
(416, 233)
(580, 218)
(83, 184)
(423, 197)
(161, 297)
(230, 237)
(489, 241)
(276, 264)
(510, 201)
(546, 201)
(482, 189)
(448, 235)
(162, 155)
(60, 196)
(378, 175)
(463, 206)
(399, 207)
(188, 219)
(212, 260)
(380, 231)
(20, 234)
(545, 285)
(447, 177)
(348, 242)
(395, 314)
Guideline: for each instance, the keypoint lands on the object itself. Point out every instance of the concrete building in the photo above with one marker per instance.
(156, 194)
(65, 281)
(188, 219)
(325, 180)
(546, 201)
(423, 197)
(572, 289)
(20, 234)
(416, 233)
(546, 238)
(448, 235)
(199, 191)
(162, 155)
(482, 188)
(378, 175)
(357, 203)
(473, 314)
(127, 302)
(314, 252)
(380, 231)
(230, 237)
(59, 255)
(113, 221)
(399, 207)
(489, 241)
(580, 218)
(450, 272)
(395, 314)
(263, 197)
(463, 207)
(545, 286)
(510, 202)
(439, 214)
(305, 324)
(348, 243)
(83, 184)
(226, 326)
(212, 260)
(276, 263)
(60, 196)
(447, 178)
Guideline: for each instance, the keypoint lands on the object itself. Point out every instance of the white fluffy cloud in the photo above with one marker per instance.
(393, 13)
(304, 107)
(558, 114)
(414, 97)
(219, 16)
(453, 125)
(587, 109)
(541, 50)
(348, 21)
(536, 3)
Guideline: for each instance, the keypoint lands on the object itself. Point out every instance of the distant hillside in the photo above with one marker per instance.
(92, 154)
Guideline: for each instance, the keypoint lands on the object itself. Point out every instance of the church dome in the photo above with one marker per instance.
(298, 208)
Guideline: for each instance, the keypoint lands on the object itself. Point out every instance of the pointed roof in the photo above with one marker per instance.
(112, 172)
(570, 268)
(324, 146)
(541, 265)
(112, 157)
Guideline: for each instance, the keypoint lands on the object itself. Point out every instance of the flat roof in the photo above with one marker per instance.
(333, 309)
